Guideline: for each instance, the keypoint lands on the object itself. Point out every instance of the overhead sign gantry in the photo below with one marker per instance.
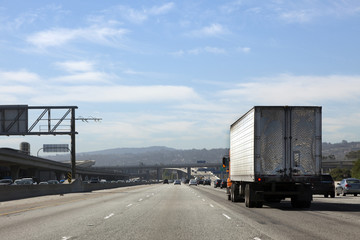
(14, 120)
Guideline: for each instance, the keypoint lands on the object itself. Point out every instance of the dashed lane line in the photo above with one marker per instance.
(109, 216)
(226, 216)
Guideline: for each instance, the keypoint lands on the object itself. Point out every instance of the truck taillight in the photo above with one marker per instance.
(259, 179)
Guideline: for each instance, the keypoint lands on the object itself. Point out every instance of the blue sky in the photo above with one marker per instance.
(178, 73)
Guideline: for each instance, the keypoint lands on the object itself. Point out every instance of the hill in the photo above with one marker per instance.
(164, 155)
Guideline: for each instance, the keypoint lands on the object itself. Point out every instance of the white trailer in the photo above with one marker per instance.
(275, 153)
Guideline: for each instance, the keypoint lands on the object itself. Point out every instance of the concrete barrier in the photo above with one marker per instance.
(14, 192)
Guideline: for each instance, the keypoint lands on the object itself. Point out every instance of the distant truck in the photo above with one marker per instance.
(275, 153)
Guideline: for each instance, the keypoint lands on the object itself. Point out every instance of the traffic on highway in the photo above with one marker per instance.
(174, 211)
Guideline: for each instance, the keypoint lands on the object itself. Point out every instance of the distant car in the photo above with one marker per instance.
(177, 182)
(26, 181)
(223, 184)
(53, 182)
(103, 181)
(217, 183)
(187, 181)
(94, 180)
(18, 182)
(200, 181)
(207, 182)
(325, 186)
(6, 181)
(166, 181)
(192, 182)
(348, 186)
(43, 183)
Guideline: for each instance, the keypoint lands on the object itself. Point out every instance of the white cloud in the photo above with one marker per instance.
(215, 50)
(60, 36)
(213, 30)
(197, 51)
(289, 89)
(76, 66)
(300, 16)
(140, 16)
(117, 93)
(179, 53)
(244, 49)
(161, 9)
(334, 127)
(133, 72)
(84, 78)
(22, 76)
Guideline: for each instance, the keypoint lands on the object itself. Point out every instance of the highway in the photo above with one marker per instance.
(162, 211)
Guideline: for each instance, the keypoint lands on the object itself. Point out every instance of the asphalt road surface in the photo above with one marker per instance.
(163, 211)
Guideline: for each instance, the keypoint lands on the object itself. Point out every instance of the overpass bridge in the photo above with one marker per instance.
(143, 170)
(19, 163)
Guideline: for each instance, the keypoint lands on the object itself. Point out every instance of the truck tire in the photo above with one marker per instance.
(249, 196)
(235, 192)
(259, 204)
(332, 194)
(300, 204)
(304, 199)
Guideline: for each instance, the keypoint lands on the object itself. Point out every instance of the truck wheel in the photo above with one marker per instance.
(249, 197)
(306, 204)
(355, 194)
(326, 195)
(235, 192)
(300, 204)
(259, 204)
(332, 194)
(232, 193)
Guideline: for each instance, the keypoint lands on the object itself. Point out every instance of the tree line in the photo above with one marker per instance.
(341, 173)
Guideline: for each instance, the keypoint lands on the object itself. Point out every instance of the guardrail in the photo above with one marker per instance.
(14, 192)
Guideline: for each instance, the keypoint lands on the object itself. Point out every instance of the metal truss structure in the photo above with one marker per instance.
(14, 120)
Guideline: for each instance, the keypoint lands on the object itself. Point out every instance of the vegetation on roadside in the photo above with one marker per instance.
(340, 173)
(355, 171)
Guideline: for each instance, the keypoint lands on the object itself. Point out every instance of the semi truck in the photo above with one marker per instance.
(275, 153)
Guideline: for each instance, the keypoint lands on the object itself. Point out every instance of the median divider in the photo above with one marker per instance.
(14, 192)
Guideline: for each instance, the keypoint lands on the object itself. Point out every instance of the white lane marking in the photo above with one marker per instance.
(129, 205)
(152, 194)
(147, 196)
(203, 200)
(107, 217)
(226, 216)
(211, 205)
(256, 238)
(140, 199)
(65, 238)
